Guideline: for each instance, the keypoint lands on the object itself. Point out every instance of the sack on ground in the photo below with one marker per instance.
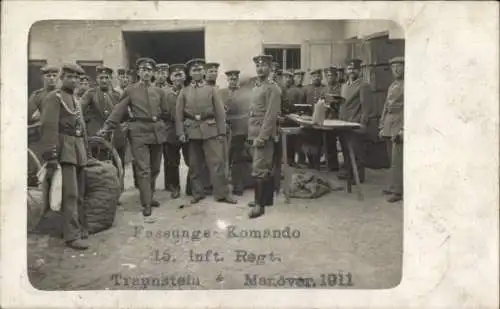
(310, 186)
(102, 191)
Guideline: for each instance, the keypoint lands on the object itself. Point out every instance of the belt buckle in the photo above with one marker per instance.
(106, 112)
(197, 117)
(78, 133)
(155, 118)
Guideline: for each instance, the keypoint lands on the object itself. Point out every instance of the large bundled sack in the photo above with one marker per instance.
(102, 191)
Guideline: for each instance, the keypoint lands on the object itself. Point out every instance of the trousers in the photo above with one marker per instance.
(73, 213)
(147, 161)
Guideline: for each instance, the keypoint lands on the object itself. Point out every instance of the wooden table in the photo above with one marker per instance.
(344, 128)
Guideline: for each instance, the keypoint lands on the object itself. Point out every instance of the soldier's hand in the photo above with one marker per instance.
(102, 133)
(398, 138)
(182, 138)
(258, 143)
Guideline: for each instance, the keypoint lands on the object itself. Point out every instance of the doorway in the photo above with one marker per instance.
(164, 47)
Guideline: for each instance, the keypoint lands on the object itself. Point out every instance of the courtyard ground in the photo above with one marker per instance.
(335, 241)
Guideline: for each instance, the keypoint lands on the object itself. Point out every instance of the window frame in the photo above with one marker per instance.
(284, 48)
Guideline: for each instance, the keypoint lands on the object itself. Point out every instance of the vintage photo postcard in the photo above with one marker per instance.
(249, 154)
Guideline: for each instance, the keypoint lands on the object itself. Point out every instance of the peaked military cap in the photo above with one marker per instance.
(197, 62)
(287, 73)
(145, 61)
(232, 73)
(354, 63)
(121, 71)
(275, 65)
(72, 68)
(263, 59)
(84, 77)
(104, 70)
(279, 72)
(130, 72)
(316, 71)
(162, 66)
(49, 69)
(330, 69)
(212, 65)
(397, 60)
(177, 68)
(299, 72)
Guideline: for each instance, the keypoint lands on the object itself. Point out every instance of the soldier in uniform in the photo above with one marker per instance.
(64, 143)
(262, 131)
(35, 107)
(172, 148)
(161, 75)
(83, 86)
(313, 93)
(147, 106)
(391, 129)
(97, 104)
(123, 80)
(201, 121)
(331, 93)
(296, 95)
(236, 101)
(287, 107)
(356, 103)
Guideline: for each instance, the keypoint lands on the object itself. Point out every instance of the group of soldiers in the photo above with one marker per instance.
(179, 108)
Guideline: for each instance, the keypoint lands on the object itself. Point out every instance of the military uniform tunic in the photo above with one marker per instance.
(63, 139)
(391, 125)
(172, 147)
(201, 118)
(147, 105)
(262, 125)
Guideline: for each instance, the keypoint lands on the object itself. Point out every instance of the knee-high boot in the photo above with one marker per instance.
(259, 208)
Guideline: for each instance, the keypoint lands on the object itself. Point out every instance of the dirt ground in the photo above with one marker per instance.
(334, 241)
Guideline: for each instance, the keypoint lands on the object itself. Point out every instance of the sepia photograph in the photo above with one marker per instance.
(215, 154)
(249, 154)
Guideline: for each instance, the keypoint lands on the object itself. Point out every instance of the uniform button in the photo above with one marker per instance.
(197, 117)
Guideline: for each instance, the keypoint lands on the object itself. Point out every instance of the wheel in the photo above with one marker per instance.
(35, 204)
(103, 150)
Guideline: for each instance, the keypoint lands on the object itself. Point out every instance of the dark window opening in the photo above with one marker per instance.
(35, 79)
(90, 69)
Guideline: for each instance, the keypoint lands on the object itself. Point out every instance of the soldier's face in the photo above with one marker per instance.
(178, 79)
(211, 74)
(287, 80)
(398, 70)
(69, 80)
(123, 80)
(84, 85)
(316, 78)
(161, 76)
(353, 72)
(331, 78)
(103, 80)
(145, 73)
(263, 69)
(298, 80)
(196, 73)
(50, 79)
(233, 81)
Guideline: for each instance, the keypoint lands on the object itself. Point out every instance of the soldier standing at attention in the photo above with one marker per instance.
(391, 129)
(161, 75)
(354, 108)
(200, 119)
(262, 131)
(35, 109)
(64, 142)
(172, 147)
(332, 94)
(236, 102)
(147, 105)
(83, 86)
(313, 93)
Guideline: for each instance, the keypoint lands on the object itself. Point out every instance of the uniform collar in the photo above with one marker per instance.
(198, 84)
(354, 82)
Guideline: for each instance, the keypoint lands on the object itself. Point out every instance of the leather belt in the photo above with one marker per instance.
(145, 119)
(198, 117)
